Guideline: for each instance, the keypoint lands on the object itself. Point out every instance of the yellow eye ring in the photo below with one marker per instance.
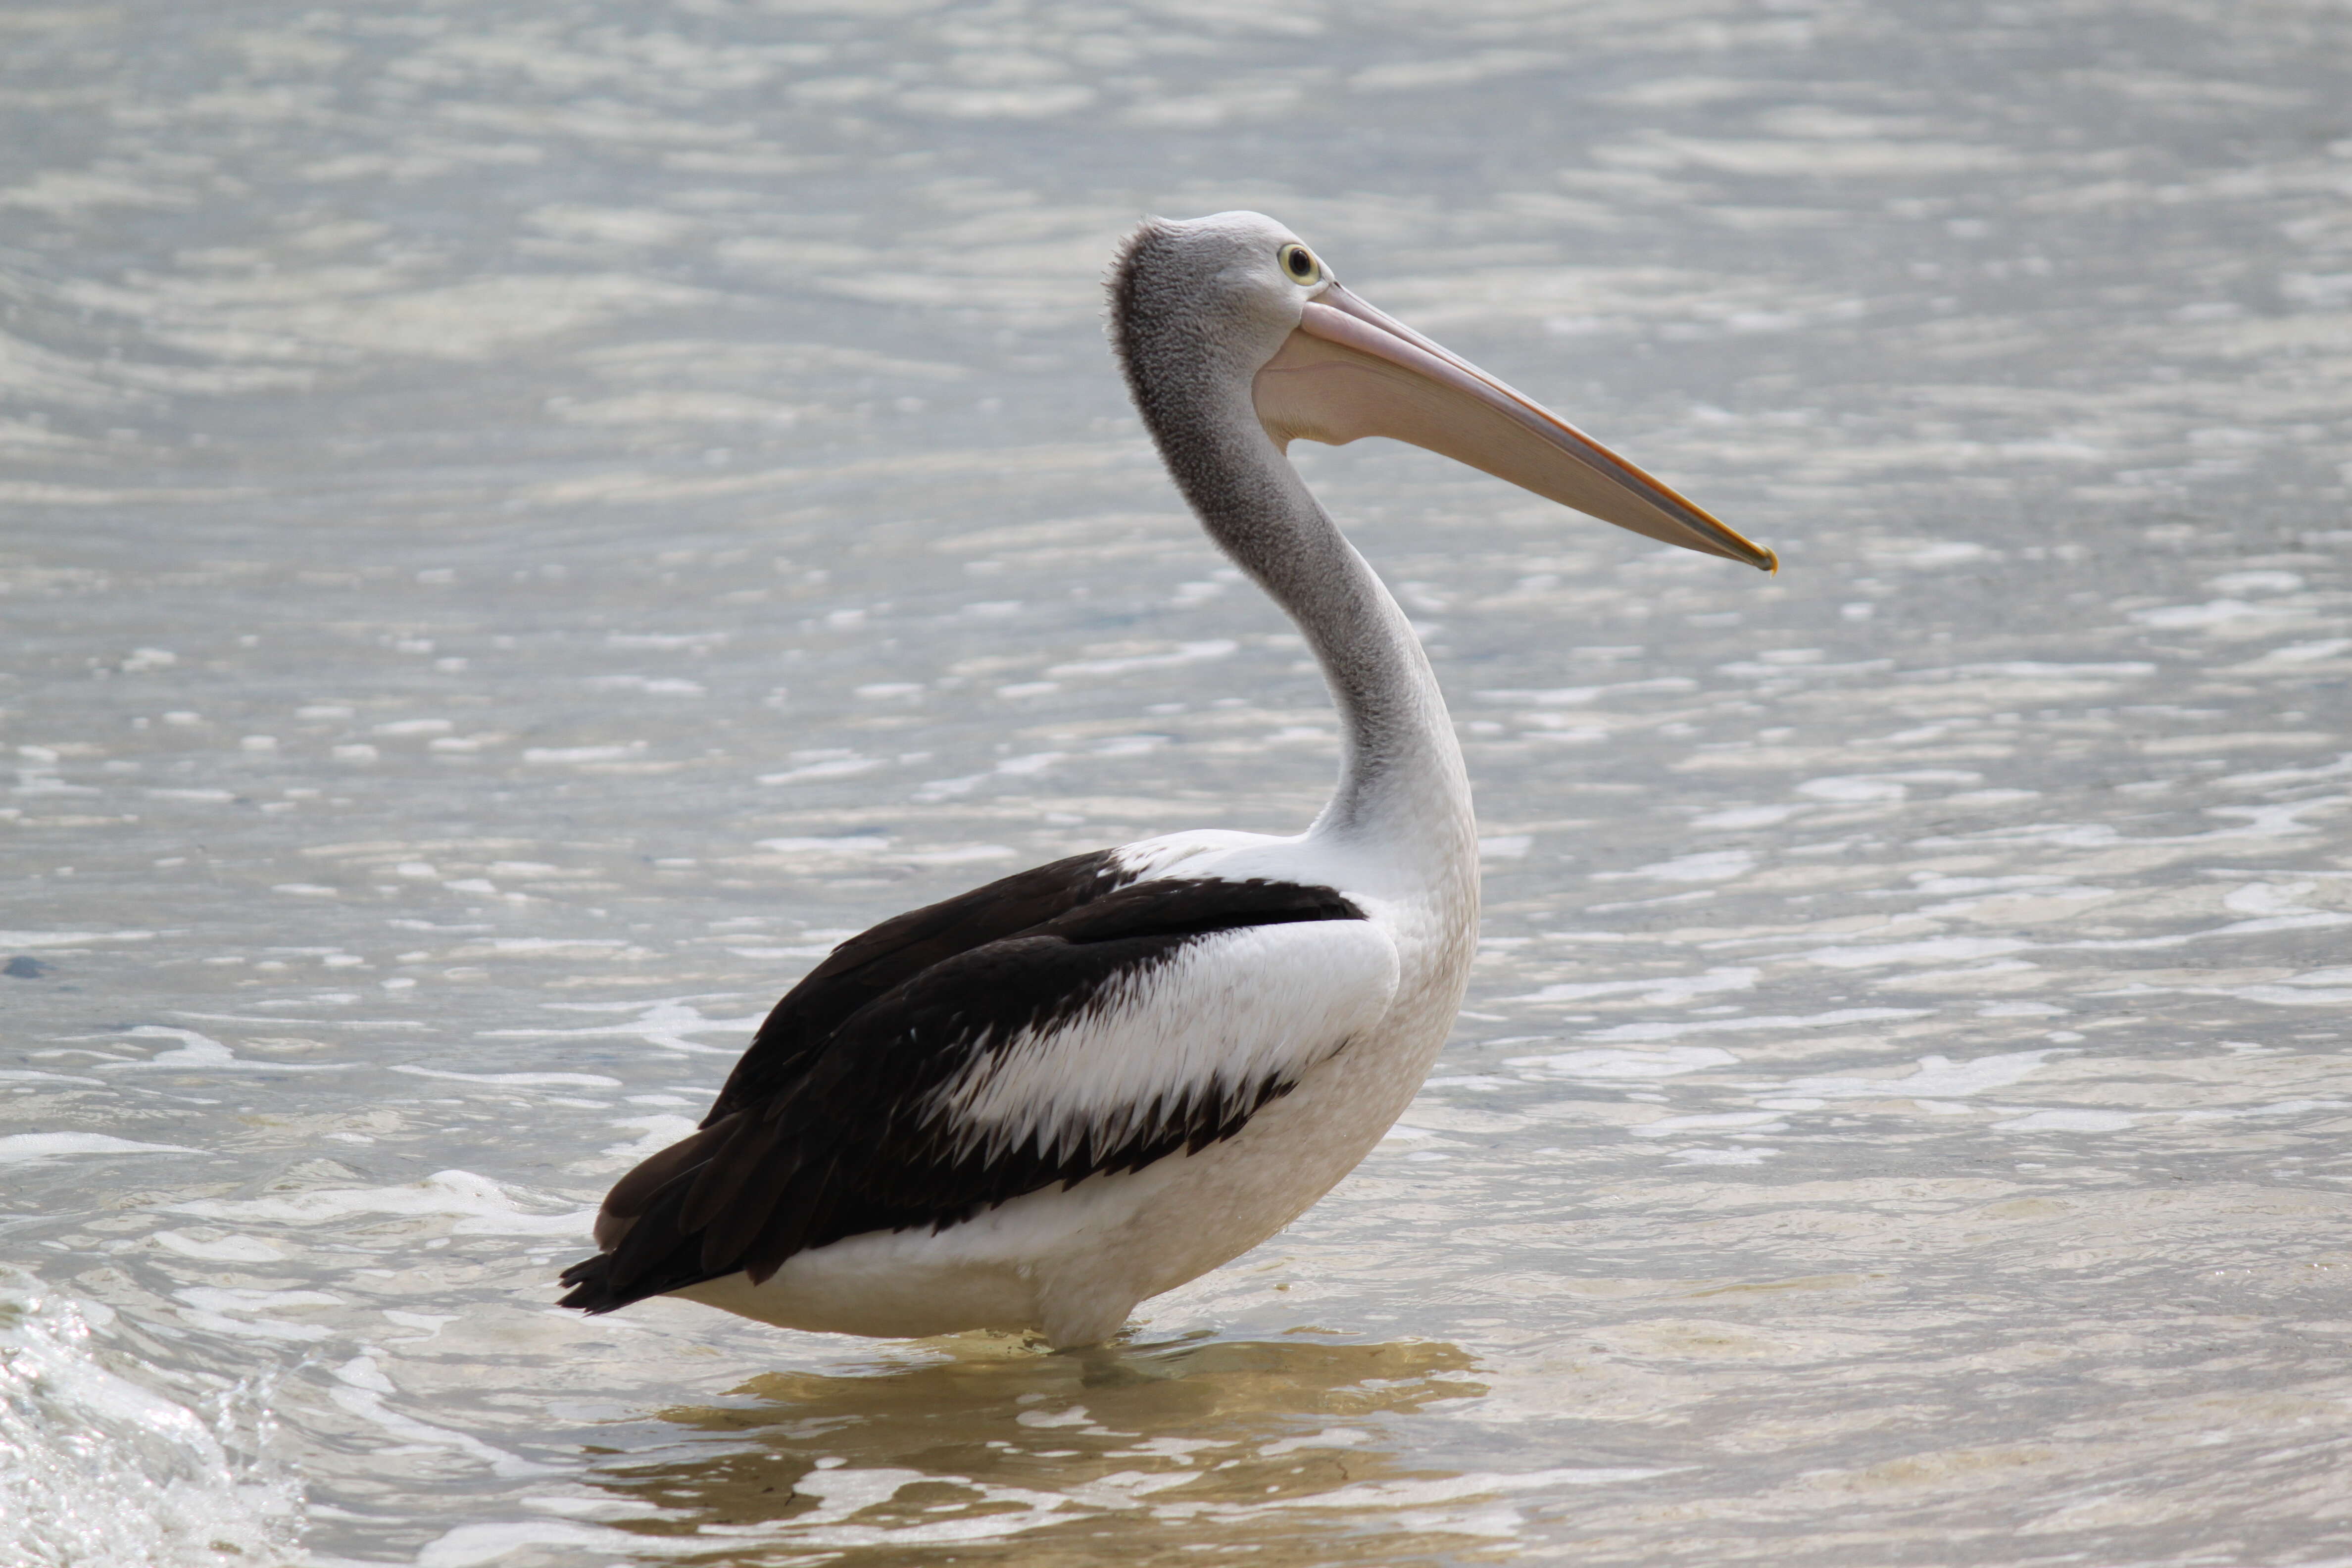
(1299, 264)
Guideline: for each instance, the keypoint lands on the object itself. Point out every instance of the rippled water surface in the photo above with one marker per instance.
(528, 522)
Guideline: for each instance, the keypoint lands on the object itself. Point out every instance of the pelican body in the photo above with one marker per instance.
(1035, 1105)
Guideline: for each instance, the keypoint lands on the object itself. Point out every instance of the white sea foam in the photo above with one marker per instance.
(2068, 1121)
(1668, 1062)
(203, 1052)
(362, 1388)
(1659, 991)
(515, 1079)
(1186, 653)
(23, 1148)
(1775, 1021)
(101, 1471)
(665, 1023)
(1712, 866)
(476, 1205)
(1936, 1077)
(20, 940)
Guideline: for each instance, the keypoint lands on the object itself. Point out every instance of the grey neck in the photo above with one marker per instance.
(1401, 787)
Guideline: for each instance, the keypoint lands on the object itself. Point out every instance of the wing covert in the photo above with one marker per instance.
(872, 962)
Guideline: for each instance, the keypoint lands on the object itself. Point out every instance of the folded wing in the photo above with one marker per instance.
(1127, 1025)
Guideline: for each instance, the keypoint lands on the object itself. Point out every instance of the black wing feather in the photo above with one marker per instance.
(824, 1130)
(891, 954)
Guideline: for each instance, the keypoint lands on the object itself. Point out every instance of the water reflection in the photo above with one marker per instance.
(1162, 1450)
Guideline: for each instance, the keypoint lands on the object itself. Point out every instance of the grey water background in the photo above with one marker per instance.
(526, 522)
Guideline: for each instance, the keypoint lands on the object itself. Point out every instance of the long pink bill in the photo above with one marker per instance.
(1349, 371)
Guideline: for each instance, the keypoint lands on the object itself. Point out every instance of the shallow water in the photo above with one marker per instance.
(528, 522)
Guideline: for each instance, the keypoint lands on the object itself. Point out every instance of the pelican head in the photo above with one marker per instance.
(1205, 308)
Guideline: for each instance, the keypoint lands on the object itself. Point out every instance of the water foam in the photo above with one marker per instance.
(98, 1471)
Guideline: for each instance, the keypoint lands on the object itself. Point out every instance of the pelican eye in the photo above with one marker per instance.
(1298, 263)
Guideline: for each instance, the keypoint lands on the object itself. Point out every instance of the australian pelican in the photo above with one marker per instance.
(1035, 1105)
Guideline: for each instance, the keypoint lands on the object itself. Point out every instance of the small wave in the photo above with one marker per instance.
(100, 1471)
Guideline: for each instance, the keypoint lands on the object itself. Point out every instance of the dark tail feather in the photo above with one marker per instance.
(778, 1203)
(592, 1286)
(654, 1258)
(593, 1289)
(599, 1285)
